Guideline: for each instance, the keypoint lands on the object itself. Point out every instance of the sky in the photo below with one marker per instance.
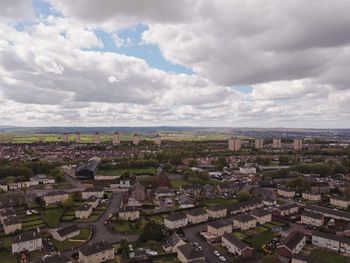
(226, 63)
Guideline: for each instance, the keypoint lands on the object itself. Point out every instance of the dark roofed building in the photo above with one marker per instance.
(66, 232)
(96, 252)
(172, 243)
(188, 253)
(292, 244)
(236, 246)
(89, 169)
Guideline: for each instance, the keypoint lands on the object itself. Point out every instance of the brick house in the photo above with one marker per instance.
(175, 220)
(217, 211)
(96, 252)
(196, 216)
(11, 225)
(244, 221)
(311, 219)
(292, 244)
(55, 197)
(262, 216)
(236, 246)
(66, 233)
(188, 253)
(129, 213)
(219, 228)
(27, 241)
(172, 243)
(83, 211)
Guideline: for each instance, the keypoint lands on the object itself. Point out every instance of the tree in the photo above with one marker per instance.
(69, 202)
(124, 247)
(298, 183)
(347, 191)
(151, 231)
(270, 259)
(243, 196)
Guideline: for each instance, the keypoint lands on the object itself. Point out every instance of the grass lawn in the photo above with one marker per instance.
(65, 244)
(158, 219)
(177, 183)
(84, 234)
(260, 239)
(7, 257)
(220, 201)
(276, 223)
(119, 171)
(52, 216)
(328, 256)
(239, 235)
(128, 227)
(6, 242)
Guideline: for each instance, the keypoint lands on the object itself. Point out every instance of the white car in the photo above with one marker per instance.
(223, 259)
(216, 253)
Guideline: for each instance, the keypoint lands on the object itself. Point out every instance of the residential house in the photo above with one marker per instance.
(172, 243)
(185, 201)
(55, 197)
(188, 253)
(227, 188)
(66, 233)
(196, 216)
(286, 192)
(96, 252)
(310, 196)
(175, 220)
(262, 216)
(320, 187)
(244, 221)
(218, 228)
(129, 213)
(328, 212)
(138, 192)
(11, 225)
(331, 242)
(340, 202)
(191, 189)
(7, 212)
(286, 210)
(217, 211)
(93, 201)
(236, 246)
(93, 191)
(292, 244)
(27, 241)
(83, 211)
(311, 219)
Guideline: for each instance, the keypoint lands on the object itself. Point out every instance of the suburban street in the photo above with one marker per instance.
(103, 232)
(192, 234)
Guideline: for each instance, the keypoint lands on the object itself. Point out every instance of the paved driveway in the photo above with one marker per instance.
(192, 234)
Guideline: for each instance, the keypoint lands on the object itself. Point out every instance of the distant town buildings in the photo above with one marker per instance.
(65, 137)
(77, 137)
(298, 144)
(234, 144)
(158, 140)
(276, 143)
(116, 138)
(259, 143)
(97, 139)
(136, 139)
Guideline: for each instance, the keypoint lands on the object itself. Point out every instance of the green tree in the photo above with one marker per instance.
(151, 231)
(69, 202)
(243, 196)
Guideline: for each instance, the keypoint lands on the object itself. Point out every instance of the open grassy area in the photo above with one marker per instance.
(260, 239)
(84, 235)
(119, 171)
(127, 227)
(239, 235)
(328, 256)
(220, 201)
(177, 183)
(52, 216)
(7, 257)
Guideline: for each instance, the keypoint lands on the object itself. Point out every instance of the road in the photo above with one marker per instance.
(192, 234)
(103, 232)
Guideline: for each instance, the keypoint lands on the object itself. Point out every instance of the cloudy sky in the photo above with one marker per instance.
(237, 63)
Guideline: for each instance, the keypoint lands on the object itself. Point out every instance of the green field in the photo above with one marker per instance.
(177, 183)
(105, 137)
(127, 227)
(219, 201)
(52, 216)
(328, 256)
(260, 239)
(120, 171)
